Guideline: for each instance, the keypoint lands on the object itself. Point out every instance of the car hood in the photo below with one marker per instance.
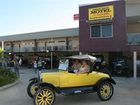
(52, 77)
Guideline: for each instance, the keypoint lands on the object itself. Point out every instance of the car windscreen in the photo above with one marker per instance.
(63, 64)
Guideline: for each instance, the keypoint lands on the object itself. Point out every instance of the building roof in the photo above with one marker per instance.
(41, 35)
(132, 1)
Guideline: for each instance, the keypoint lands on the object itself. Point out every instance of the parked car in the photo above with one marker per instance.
(65, 82)
(120, 66)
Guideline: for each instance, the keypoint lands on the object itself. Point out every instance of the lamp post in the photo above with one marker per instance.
(51, 54)
(51, 60)
(135, 65)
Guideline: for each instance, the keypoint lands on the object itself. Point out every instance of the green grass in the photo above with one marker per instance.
(6, 77)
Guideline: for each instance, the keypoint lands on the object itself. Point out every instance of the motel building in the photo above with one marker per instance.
(110, 31)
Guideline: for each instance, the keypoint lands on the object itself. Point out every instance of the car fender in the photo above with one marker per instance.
(34, 79)
(45, 84)
(105, 79)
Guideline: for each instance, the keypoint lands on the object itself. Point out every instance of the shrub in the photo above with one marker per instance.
(6, 77)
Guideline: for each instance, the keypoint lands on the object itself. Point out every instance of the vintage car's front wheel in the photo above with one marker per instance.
(44, 96)
(31, 89)
(105, 91)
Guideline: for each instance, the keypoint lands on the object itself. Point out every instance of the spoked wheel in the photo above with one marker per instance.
(45, 96)
(105, 91)
(31, 89)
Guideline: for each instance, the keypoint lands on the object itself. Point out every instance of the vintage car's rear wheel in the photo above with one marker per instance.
(31, 89)
(105, 91)
(44, 96)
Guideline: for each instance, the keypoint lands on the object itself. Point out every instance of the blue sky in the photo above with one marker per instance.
(24, 16)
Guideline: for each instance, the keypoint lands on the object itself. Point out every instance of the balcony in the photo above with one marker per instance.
(63, 48)
(73, 48)
(16, 49)
(59, 48)
(41, 48)
(8, 49)
(69, 48)
(56, 48)
(27, 49)
(133, 38)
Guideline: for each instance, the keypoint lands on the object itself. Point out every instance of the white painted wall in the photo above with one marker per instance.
(57, 42)
(29, 43)
(133, 9)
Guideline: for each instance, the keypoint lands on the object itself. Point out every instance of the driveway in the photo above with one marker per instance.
(127, 92)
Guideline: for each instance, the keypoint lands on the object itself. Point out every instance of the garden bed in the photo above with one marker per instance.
(7, 77)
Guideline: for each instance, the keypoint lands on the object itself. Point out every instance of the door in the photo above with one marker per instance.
(76, 80)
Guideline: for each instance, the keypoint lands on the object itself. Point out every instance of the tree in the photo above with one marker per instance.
(1, 52)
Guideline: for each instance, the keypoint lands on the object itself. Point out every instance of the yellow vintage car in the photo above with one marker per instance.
(68, 81)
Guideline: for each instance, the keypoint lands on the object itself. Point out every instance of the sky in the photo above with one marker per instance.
(25, 16)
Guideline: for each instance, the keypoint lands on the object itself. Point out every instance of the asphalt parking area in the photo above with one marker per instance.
(126, 92)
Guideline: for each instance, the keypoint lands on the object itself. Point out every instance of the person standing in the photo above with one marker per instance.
(20, 61)
(39, 66)
(35, 66)
(16, 66)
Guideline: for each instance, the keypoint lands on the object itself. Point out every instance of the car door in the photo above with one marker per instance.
(76, 80)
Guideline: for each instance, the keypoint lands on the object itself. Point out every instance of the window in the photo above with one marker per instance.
(61, 41)
(95, 31)
(55, 48)
(106, 30)
(49, 48)
(134, 39)
(101, 31)
(7, 44)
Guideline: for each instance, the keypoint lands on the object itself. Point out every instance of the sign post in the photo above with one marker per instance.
(76, 17)
(135, 65)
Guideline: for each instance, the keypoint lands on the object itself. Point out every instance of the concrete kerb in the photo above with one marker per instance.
(10, 85)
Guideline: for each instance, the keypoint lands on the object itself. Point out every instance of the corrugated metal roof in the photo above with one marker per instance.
(42, 35)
